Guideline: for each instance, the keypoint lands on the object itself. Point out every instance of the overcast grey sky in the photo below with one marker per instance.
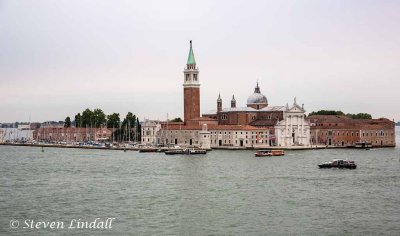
(59, 57)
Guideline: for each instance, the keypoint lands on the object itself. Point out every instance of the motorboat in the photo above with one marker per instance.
(339, 163)
(148, 149)
(263, 153)
(189, 151)
(175, 152)
(195, 151)
(363, 145)
(268, 153)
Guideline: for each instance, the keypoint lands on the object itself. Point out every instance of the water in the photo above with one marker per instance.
(223, 193)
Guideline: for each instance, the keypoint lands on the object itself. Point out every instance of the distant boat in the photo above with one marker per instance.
(175, 152)
(267, 153)
(148, 149)
(189, 151)
(339, 163)
(195, 151)
(363, 145)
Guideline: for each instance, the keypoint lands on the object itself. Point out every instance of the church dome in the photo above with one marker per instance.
(257, 98)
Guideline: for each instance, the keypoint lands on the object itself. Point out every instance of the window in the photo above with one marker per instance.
(195, 77)
(187, 77)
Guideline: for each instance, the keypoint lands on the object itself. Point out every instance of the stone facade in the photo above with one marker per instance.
(293, 130)
(150, 131)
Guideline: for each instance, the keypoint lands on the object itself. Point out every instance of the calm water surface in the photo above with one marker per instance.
(222, 193)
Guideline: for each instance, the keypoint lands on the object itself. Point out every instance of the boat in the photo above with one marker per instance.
(363, 145)
(188, 151)
(195, 151)
(263, 153)
(148, 149)
(268, 153)
(277, 152)
(339, 163)
(175, 152)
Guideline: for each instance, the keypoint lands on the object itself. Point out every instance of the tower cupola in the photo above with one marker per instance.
(233, 102)
(219, 103)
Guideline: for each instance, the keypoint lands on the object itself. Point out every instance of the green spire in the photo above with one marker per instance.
(191, 60)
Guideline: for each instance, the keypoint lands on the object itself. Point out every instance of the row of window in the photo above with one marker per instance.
(237, 132)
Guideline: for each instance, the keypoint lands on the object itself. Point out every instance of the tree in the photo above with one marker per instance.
(138, 130)
(327, 112)
(177, 119)
(78, 120)
(360, 116)
(340, 113)
(127, 126)
(67, 122)
(87, 118)
(99, 118)
(113, 120)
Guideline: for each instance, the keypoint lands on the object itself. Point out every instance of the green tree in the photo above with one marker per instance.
(87, 118)
(327, 112)
(78, 120)
(67, 122)
(340, 113)
(138, 130)
(177, 119)
(99, 118)
(128, 124)
(360, 116)
(113, 120)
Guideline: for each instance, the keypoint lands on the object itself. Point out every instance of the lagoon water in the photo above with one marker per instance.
(222, 193)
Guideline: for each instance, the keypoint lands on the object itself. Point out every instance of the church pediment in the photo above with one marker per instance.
(296, 108)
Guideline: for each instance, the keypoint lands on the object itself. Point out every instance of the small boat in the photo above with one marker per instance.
(268, 153)
(263, 153)
(339, 163)
(148, 149)
(175, 152)
(363, 145)
(277, 152)
(189, 151)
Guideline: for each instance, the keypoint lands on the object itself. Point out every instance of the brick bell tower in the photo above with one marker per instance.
(191, 88)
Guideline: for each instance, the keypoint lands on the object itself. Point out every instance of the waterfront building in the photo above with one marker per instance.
(150, 131)
(334, 130)
(255, 126)
(285, 125)
(16, 135)
(72, 134)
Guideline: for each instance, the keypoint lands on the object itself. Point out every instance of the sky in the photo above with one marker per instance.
(58, 58)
